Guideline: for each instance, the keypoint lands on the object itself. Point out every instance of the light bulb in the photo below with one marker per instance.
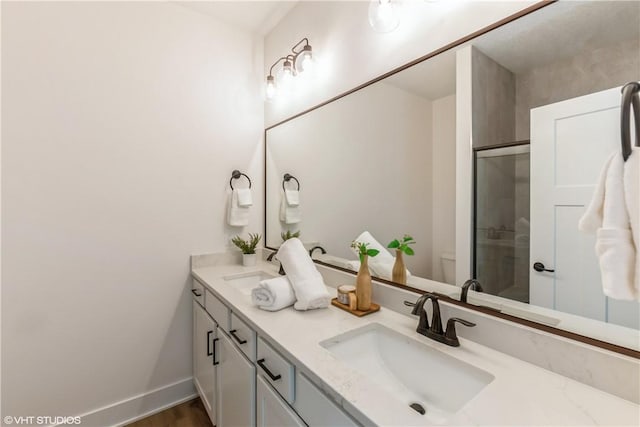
(304, 62)
(271, 89)
(383, 15)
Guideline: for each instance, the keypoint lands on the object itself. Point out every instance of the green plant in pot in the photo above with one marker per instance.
(363, 280)
(402, 246)
(248, 248)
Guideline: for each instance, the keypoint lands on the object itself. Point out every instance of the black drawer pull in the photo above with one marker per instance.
(209, 352)
(237, 338)
(214, 352)
(196, 293)
(264, 368)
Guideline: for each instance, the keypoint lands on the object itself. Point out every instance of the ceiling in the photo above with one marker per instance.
(258, 17)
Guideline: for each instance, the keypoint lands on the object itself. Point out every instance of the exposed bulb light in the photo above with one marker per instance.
(293, 64)
(383, 15)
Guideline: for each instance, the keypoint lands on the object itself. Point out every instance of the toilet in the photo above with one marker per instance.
(448, 261)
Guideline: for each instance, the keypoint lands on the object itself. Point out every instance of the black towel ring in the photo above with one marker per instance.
(630, 98)
(237, 174)
(289, 177)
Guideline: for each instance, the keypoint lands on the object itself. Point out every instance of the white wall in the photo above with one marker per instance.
(121, 125)
(349, 52)
(443, 171)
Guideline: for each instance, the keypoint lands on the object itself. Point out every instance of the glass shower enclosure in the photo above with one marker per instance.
(501, 220)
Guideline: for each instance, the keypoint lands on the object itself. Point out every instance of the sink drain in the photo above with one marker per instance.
(418, 408)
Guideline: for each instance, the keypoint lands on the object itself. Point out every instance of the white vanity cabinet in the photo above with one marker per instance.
(237, 385)
(272, 411)
(204, 372)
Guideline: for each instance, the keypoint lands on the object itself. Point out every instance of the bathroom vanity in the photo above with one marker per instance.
(327, 367)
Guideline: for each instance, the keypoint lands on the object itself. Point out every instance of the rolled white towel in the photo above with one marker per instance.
(273, 294)
(306, 281)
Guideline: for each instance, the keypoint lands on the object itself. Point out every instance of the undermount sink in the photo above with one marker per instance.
(245, 282)
(409, 369)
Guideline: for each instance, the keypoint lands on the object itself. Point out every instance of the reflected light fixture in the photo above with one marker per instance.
(383, 15)
(293, 64)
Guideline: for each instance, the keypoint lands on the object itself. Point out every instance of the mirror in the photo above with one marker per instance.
(487, 155)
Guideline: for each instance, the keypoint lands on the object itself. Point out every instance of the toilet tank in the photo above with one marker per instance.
(448, 261)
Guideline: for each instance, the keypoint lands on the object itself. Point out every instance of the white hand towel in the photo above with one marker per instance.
(244, 197)
(380, 265)
(237, 216)
(306, 281)
(273, 294)
(632, 197)
(607, 215)
(289, 214)
(293, 197)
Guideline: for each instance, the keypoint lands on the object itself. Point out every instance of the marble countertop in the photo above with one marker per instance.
(520, 394)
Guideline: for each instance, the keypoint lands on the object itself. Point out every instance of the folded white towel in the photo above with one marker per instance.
(380, 265)
(307, 283)
(289, 214)
(273, 294)
(237, 216)
(244, 197)
(608, 216)
(292, 197)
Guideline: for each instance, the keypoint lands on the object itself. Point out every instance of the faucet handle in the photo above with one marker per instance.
(410, 304)
(450, 335)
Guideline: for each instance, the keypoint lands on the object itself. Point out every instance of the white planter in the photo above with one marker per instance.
(249, 260)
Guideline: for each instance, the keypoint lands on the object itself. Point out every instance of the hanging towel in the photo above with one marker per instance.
(290, 213)
(237, 216)
(244, 197)
(307, 283)
(380, 265)
(608, 217)
(273, 294)
(632, 198)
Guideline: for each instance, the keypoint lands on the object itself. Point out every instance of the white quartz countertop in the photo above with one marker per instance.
(520, 394)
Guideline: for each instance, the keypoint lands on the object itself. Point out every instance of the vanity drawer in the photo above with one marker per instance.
(197, 290)
(217, 310)
(316, 408)
(243, 336)
(276, 370)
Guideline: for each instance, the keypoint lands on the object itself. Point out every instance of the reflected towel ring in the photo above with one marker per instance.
(237, 174)
(289, 177)
(630, 99)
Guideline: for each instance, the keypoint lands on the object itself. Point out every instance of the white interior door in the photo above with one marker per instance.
(570, 141)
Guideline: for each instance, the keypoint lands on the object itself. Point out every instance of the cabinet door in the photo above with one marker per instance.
(272, 410)
(204, 372)
(236, 385)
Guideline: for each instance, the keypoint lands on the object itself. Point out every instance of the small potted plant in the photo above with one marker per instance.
(363, 280)
(289, 235)
(399, 271)
(248, 248)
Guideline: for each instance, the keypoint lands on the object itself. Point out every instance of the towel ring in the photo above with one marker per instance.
(237, 174)
(289, 177)
(630, 99)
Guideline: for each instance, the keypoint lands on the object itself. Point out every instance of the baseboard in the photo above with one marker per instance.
(137, 407)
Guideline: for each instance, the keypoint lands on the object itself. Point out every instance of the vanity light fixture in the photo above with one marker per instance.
(293, 64)
(383, 15)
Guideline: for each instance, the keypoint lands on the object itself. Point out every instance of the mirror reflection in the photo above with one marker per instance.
(487, 155)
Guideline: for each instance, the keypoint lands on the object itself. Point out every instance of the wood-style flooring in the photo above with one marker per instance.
(188, 414)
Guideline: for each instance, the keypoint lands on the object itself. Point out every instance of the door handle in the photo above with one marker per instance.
(236, 337)
(214, 352)
(539, 267)
(264, 368)
(209, 352)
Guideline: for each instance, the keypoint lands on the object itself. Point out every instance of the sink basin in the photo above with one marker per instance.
(245, 282)
(409, 369)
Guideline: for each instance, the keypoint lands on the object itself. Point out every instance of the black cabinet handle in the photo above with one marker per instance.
(209, 352)
(196, 293)
(236, 337)
(539, 267)
(264, 368)
(214, 352)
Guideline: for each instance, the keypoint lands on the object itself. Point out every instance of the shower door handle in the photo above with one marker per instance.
(539, 267)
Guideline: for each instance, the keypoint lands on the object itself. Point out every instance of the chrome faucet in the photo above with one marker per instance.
(471, 283)
(271, 257)
(434, 331)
